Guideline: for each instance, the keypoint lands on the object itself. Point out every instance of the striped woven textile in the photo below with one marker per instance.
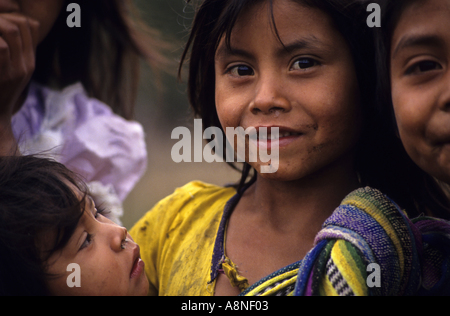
(369, 247)
(279, 283)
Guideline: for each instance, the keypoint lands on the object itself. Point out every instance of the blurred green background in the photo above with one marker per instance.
(160, 111)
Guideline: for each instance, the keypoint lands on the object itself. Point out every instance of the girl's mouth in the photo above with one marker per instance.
(138, 264)
(275, 136)
(138, 268)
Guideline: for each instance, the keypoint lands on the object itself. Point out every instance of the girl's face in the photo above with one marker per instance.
(308, 88)
(44, 11)
(420, 82)
(108, 258)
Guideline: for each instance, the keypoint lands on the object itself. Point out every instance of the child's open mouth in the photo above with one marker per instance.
(138, 264)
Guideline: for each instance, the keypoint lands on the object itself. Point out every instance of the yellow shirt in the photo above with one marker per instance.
(177, 239)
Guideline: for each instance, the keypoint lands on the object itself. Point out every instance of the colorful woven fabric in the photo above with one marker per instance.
(410, 257)
(279, 283)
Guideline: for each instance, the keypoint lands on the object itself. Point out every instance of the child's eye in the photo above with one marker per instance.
(423, 66)
(304, 63)
(87, 241)
(101, 211)
(240, 71)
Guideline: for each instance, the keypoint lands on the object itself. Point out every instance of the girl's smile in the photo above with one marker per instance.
(283, 136)
(303, 82)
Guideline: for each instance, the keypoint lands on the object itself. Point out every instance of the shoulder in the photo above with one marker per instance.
(196, 193)
(181, 228)
(185, 202)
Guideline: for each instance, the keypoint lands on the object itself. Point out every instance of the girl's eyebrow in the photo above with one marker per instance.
(224, 51)
(417, 40)
(310, 42)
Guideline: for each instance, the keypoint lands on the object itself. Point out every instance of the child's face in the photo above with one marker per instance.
(420, 79)
(108, 264)
(44, 11)
(308, 89)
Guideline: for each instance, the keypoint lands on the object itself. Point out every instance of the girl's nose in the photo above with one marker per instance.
(269, 97)
(118, 237)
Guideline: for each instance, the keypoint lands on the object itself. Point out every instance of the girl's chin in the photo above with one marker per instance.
(275, 172)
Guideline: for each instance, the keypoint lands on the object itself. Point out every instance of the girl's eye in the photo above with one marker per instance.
(240, 71)
(304, 63)
(423, 66)
(89, 237)
(101, 211)
(87, 241)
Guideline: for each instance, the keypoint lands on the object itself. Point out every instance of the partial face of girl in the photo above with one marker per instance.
(108, 259)
(308, 88)
(420, 82)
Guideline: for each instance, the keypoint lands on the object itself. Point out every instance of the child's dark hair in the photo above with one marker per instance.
(376, 160)
(427, 193)
(103, 53)
(37, 205)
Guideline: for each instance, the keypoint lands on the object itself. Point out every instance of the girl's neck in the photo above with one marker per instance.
(311, 199)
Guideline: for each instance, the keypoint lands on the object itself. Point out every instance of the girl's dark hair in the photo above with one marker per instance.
(37, 206)
(380, 159)
(427, 194)
(103, 54)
